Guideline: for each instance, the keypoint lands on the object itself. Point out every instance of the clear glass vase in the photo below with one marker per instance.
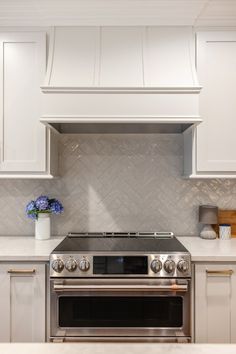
(43, 226)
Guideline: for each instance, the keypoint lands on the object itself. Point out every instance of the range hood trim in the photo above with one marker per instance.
(119, 124)
(119, 119)
(78, 89)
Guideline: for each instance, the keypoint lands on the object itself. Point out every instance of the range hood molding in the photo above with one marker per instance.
(153, 81)
(119, 125)
(110, 90)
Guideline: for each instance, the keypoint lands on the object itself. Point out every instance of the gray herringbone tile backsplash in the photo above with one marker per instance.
(117, 183)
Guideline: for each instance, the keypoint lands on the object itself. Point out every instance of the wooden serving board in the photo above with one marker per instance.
(227, 217)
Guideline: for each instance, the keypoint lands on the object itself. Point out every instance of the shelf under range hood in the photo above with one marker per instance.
(121, 80)
(91, 126)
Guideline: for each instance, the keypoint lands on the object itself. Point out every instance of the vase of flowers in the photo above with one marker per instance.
(40, 211)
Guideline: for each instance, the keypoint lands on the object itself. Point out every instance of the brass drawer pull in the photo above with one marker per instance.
(227, 273)
(21, 271)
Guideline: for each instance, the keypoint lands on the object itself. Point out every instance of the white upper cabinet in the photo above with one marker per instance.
(23, 139)
(214, 143)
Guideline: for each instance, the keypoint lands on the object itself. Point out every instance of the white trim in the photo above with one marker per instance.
(111, 21)
(50, 127)
(47, 119)
(218, 22)
(144, 52)
(67, 89)
(26, 176)
(192, 56)
(50, 56)
(198, 29)
(97, 58)
(210, 176)
(24, 29)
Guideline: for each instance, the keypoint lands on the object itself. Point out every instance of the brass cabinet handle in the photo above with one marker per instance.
(21, 271)
(226, 272)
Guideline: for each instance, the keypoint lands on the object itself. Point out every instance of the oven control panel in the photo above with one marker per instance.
(174, 265)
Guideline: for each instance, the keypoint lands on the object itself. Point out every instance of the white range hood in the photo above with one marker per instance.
(121, 80)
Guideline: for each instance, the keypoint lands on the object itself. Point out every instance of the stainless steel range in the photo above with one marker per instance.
(120, 286)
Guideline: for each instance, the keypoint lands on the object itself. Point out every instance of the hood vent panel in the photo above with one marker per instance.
(131, 72)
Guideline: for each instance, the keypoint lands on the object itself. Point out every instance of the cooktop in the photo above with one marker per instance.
(120, 242)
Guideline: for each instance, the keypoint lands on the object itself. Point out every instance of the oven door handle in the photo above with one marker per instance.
(119, 288)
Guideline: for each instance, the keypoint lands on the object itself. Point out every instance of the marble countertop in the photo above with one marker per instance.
(19, 248)
(210, 250)
(116, 348)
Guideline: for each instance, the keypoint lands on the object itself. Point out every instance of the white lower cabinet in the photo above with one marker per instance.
(215, 303)
(22, 302)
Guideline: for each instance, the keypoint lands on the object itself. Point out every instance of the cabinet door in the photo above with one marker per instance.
(22, 70)
(216, 143)
(215, 306)
(22, 302)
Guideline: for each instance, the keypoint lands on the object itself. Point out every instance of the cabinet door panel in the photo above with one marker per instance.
(22, 303)
(218, 293)
(22, 136)
(214, 304)
(216, 143)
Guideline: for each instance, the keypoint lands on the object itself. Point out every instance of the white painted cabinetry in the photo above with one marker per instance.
(25, 144)
(210, 149)
(215, 305)
(22, 302)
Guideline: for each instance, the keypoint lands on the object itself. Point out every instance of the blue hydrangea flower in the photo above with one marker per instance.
(56, 207)
(42, 203)
(30, 206)
(31, 210)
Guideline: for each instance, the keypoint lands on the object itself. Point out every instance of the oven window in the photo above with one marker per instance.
(117, 311)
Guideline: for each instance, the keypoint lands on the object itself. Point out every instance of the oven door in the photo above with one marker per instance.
(120, 308)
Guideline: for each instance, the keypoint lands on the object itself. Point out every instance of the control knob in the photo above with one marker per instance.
(183, 266)
(71, 265)
(169, 266)
(58, 265)
(156, 265)
(84, 265)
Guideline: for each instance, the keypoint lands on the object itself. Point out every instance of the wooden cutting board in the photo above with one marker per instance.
(227, 217)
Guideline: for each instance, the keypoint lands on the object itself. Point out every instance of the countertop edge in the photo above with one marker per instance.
(19, 258)
(205, 259)
(209, 250)
(27, 248)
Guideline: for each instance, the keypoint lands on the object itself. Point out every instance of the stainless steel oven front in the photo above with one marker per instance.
(120, 309)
